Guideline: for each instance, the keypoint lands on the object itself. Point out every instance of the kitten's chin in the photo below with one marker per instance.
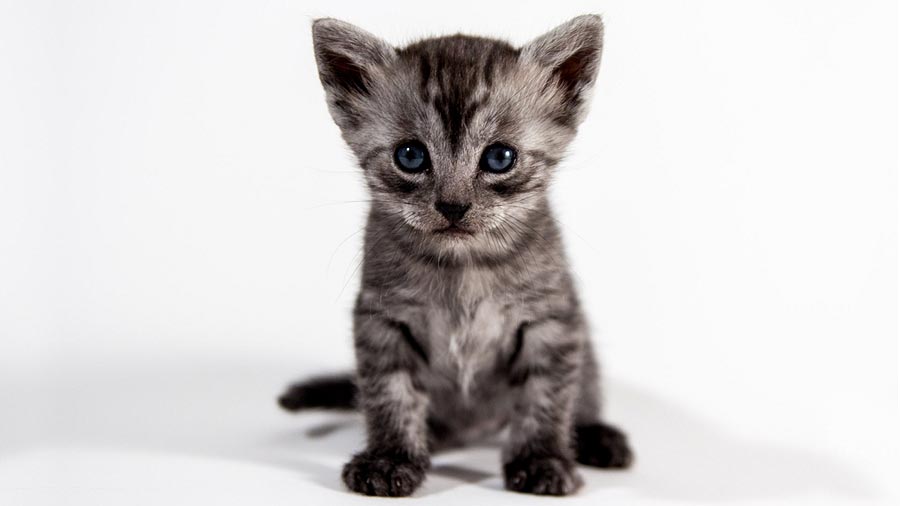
(462, 243)
(453, 231)
(453, 241)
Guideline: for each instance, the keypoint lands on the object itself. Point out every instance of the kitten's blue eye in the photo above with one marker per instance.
(497, 158)
(411, 156)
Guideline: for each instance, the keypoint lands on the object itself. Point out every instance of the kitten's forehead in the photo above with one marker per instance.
(456, 77)
(457, 94)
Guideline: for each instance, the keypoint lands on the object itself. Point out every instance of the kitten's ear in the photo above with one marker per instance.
(572, 52)
(349, 58)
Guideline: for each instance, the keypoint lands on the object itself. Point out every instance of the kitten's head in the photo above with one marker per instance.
(458, 136)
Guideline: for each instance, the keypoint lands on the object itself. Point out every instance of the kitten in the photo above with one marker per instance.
(467, 320)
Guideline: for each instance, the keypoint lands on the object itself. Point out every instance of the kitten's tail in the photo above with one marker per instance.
(322, 392)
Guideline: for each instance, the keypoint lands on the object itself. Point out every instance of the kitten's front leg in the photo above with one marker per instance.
(396, 457)
(539, 458)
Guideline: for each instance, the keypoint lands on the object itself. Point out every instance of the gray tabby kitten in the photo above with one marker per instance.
(467, 320)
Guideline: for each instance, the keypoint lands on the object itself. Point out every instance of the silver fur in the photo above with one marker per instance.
(459, 335)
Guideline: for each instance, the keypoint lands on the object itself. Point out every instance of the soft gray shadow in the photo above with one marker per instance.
(229, 411)
(460, 473)
(327, 429)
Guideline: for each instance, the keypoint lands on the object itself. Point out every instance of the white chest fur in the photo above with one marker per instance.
(466, 339)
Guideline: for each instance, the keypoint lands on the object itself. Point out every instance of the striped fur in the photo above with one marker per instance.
(460, 335)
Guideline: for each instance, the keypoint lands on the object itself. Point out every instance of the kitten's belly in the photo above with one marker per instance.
(458, 419)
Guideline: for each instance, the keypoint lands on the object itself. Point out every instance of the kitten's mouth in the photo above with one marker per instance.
(453, 230)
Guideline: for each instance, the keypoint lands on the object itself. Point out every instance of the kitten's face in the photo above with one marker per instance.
(457, 136)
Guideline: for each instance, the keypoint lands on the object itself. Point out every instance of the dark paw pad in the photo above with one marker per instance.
(541, 475)
(601, 445)
(388, 476)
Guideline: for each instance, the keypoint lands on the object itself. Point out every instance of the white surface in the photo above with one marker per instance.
(179, 229)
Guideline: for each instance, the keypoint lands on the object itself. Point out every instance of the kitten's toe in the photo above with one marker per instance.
(601, 445)
(542, 476)
(384, 475)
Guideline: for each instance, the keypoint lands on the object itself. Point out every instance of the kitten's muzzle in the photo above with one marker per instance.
(453, 212)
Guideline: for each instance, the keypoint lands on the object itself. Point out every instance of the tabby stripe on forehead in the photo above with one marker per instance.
(454, 101)
(455, 79)
(488, 75)
(425, 73)
(455, 116)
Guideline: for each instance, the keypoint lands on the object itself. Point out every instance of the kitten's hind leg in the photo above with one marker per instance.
(597, 444)
(602, 445)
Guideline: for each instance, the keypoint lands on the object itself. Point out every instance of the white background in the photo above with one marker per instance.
(179, 237)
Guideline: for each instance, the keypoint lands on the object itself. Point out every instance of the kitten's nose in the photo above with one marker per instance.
(452, 211)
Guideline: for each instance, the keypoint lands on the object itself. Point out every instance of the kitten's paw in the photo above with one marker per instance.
(542, 475)
(601, 445)
(384, 475)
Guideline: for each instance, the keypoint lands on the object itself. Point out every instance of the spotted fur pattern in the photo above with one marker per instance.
(460, 335)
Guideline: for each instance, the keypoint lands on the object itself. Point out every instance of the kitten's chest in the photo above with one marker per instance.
(469, 331)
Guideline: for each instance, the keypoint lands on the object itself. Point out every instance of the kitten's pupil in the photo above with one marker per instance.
(411, 156)
(498, 158)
